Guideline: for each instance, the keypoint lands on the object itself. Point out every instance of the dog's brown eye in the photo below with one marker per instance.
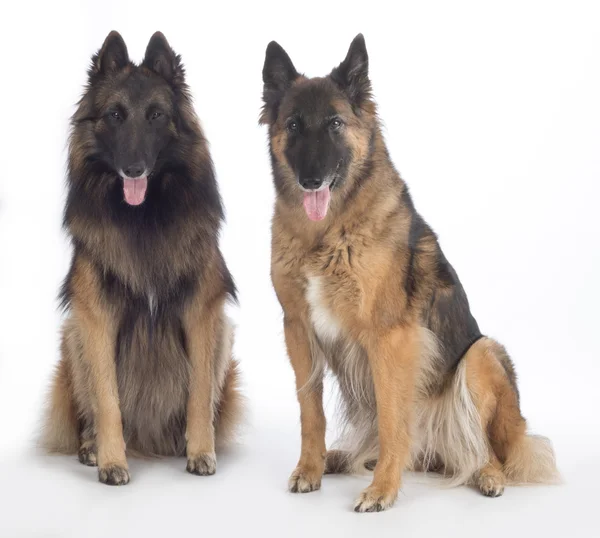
(155, 115)
(292, 126)
(335, 124)
(115, 115)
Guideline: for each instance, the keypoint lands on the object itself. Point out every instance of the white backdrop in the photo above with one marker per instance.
(492, 116)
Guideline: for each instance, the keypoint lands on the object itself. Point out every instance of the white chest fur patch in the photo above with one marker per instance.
(152, 303)
(325, 324)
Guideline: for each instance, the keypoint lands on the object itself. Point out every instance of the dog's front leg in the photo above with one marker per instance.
(97, 329)
(309, 471)
(203, 325)
(393, 356)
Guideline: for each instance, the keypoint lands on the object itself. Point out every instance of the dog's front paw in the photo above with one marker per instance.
(305, 480)
(204, 464)
(375, 499)
(113, 475)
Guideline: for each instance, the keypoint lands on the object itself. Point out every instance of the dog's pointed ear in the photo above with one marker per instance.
(111, 57)
(161, 59)
(352, 75)
(278, 74)
(279, 71)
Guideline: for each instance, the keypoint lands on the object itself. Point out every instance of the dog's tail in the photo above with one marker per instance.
(60, 428)
(531, 460)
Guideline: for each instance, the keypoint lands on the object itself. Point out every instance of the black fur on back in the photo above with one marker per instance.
(447, 313)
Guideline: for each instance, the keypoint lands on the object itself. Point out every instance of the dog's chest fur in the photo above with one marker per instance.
(334, 291)
(345, 357)
(339, 284)
(324, 321)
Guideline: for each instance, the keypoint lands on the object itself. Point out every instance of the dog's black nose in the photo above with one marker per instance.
(134, 170)
(311, 184)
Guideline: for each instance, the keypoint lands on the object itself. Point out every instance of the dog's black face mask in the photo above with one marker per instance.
(316, 126)
(132, 112)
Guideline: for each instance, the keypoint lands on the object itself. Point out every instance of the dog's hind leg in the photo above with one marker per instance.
(514, 456)
(230, 406)
(491, 480)
(337, 462)
(88, 451)
(60, 427)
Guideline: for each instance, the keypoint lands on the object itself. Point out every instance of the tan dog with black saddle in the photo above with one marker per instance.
(368, 293)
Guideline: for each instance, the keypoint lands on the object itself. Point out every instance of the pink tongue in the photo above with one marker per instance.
(316, 204)
(135, 189)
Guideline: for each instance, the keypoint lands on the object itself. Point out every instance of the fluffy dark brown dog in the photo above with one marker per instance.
(367, 292)
(146, 351)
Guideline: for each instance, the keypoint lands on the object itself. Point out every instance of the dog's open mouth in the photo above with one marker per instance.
(316, 203)
(134, 189)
